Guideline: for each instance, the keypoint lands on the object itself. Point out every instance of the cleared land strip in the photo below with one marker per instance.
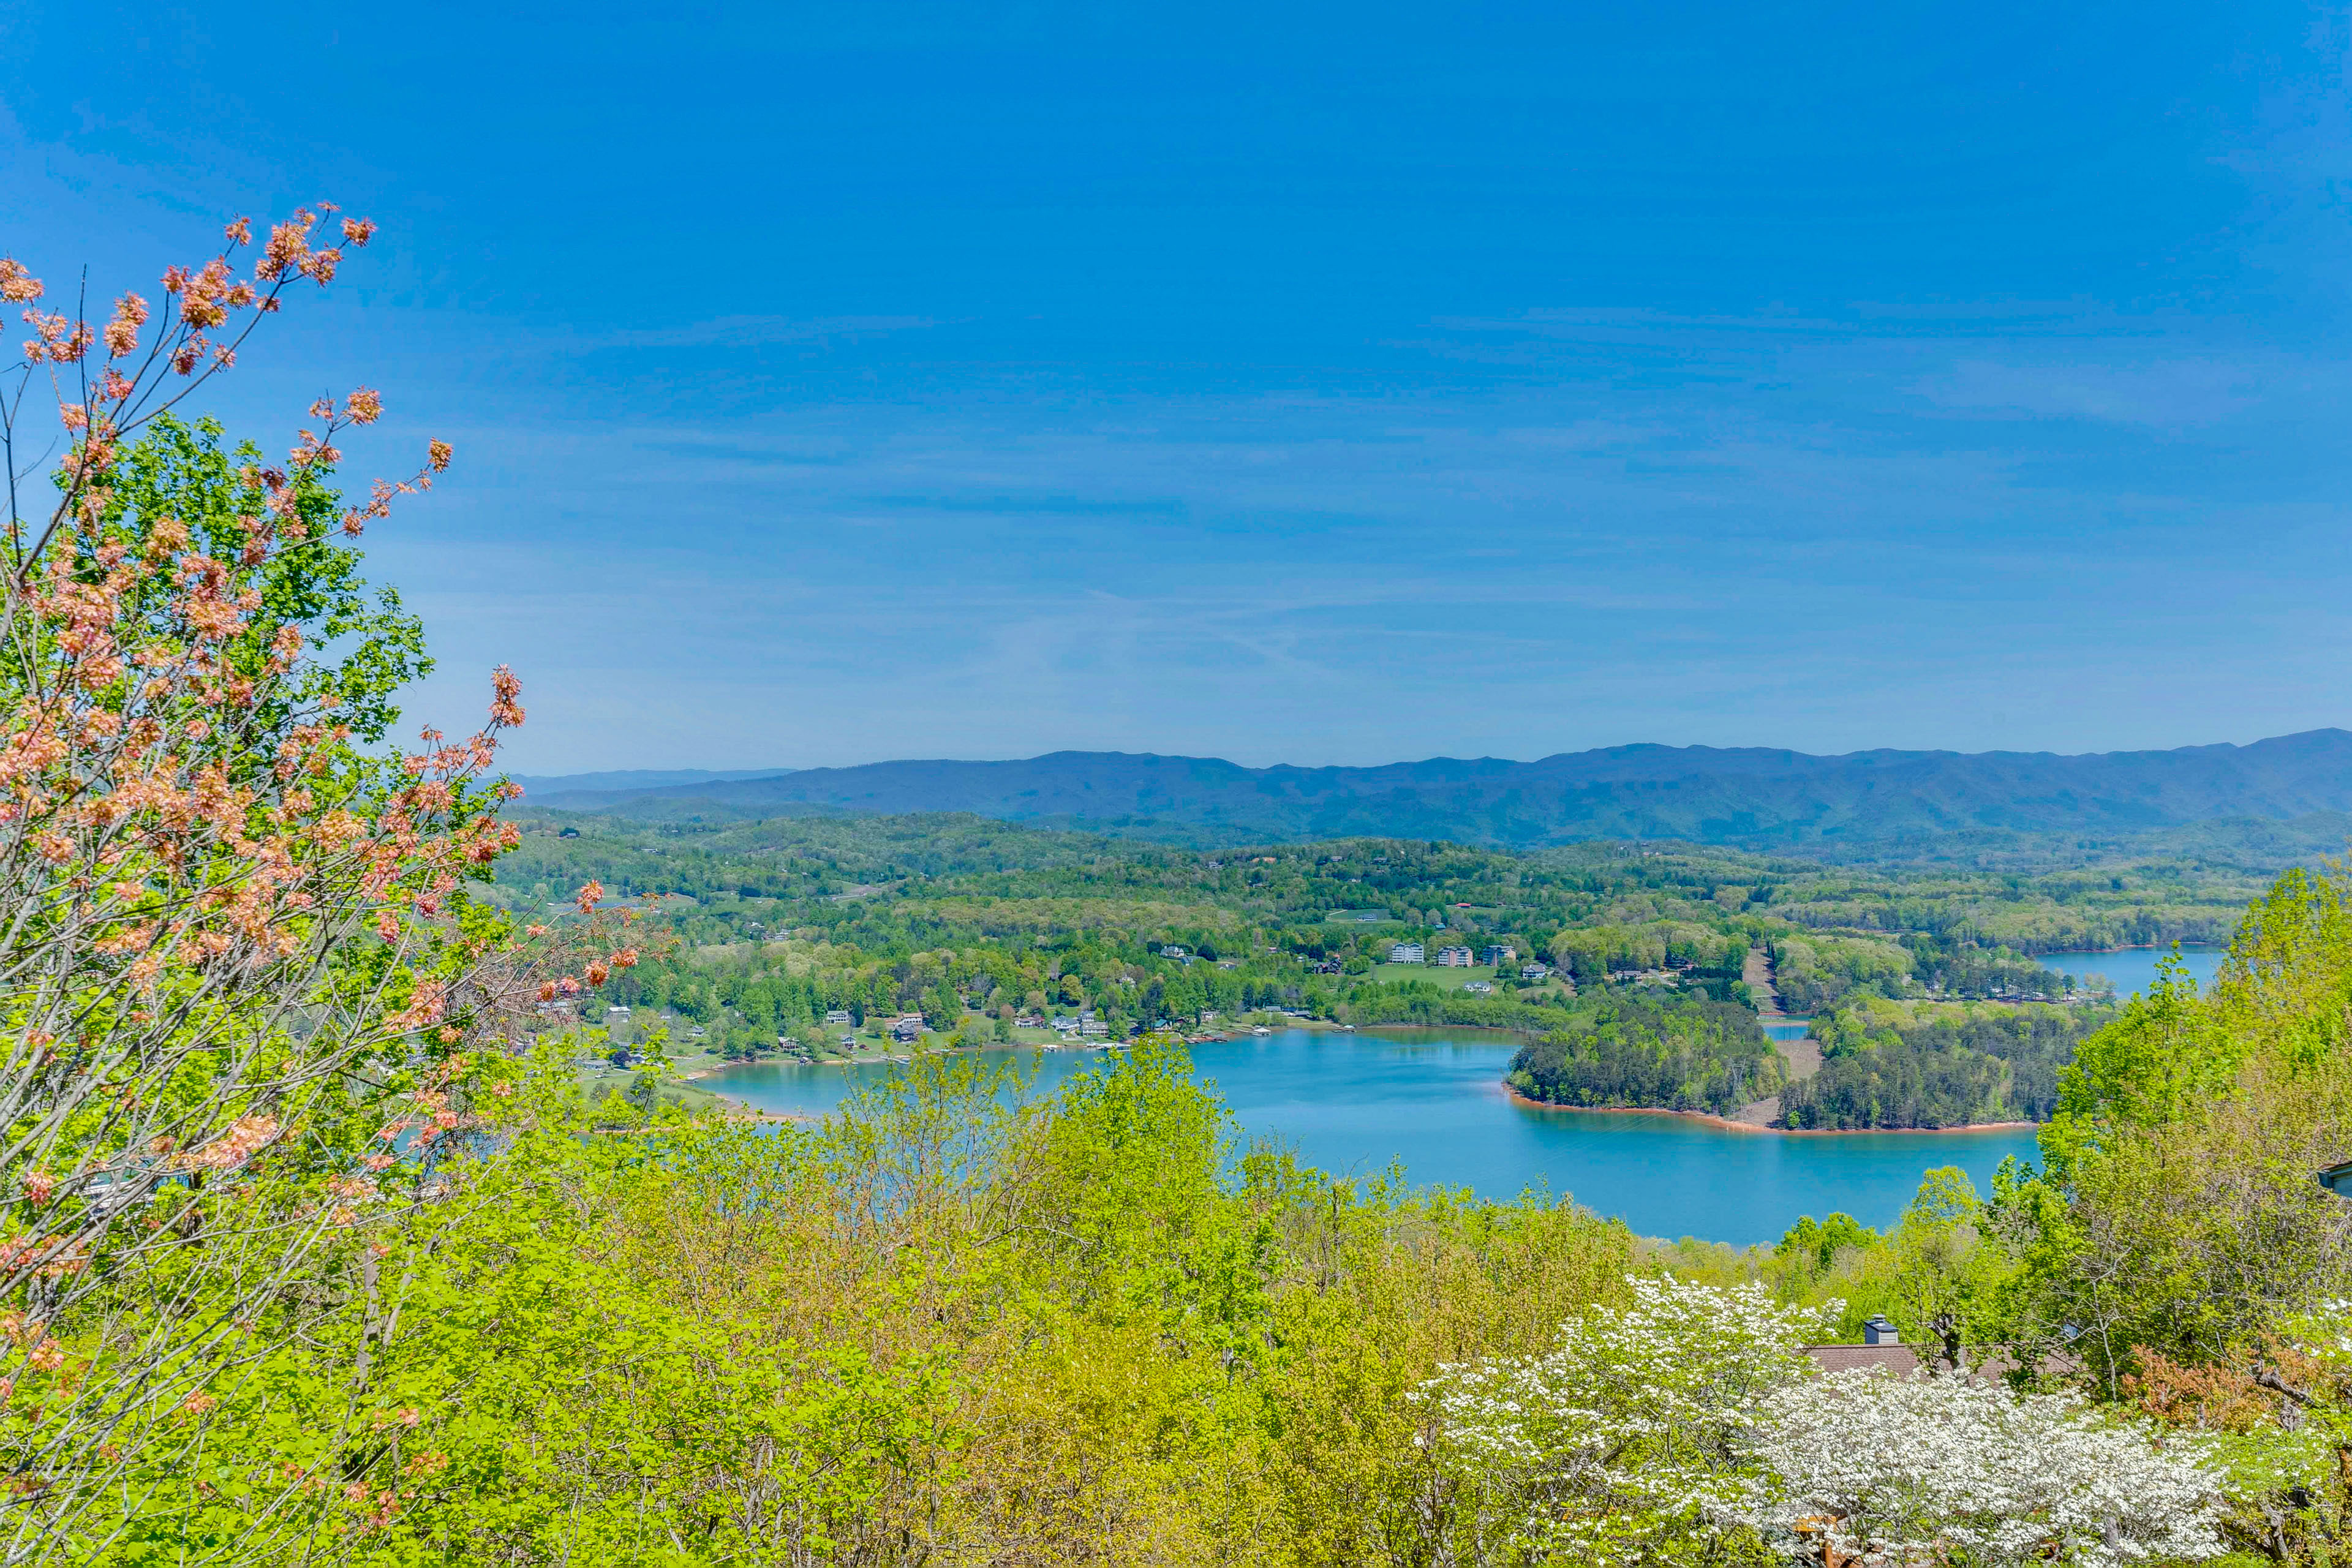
(1803, 1056)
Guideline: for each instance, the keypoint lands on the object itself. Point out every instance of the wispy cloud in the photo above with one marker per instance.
(756, 331)
(2167, 392)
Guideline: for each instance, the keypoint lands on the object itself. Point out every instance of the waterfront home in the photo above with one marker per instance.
(1882, 1349)
(1405, 952)
(1535, 971)
(907, 1026)
(837, 1016)
(1091, 1027)
(1454, 957)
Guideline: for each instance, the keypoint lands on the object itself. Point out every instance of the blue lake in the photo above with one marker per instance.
(2134, 968)
(1433, 1102)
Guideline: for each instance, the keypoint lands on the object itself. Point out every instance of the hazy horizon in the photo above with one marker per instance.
(685, 774)
(651, 768)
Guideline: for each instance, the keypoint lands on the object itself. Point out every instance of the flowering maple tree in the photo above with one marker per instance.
(245, 999)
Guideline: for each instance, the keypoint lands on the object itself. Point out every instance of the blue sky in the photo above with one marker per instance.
(1292, 383)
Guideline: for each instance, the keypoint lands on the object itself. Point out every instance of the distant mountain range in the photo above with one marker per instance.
(1747, 796)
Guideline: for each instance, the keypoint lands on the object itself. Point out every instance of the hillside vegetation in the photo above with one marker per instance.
(1937, 1065)
(1682, 1054)
(1872, 801)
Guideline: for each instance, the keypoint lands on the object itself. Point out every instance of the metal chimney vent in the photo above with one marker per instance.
(1879, 1331)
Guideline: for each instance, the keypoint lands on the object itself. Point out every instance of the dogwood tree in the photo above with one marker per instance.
(1690, 1419)
(1861, 1465)
(1633, 1431)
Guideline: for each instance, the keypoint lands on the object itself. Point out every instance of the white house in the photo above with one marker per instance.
(1405, 952)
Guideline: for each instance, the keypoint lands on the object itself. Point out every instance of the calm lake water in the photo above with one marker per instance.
(1434, 1102)
(2134, 968)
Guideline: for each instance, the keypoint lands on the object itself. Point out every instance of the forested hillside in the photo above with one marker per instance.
(1898, 1064)
(1753, 797)
(1692, 1055)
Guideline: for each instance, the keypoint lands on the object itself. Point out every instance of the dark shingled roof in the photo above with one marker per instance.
(1985, 1363)
(1898, 1360)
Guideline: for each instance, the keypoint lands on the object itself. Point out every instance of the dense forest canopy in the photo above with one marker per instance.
(1891, 1064)
(1678, 1055)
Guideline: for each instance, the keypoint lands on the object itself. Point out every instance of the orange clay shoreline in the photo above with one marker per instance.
(1708, 1117)
(1711, 1119)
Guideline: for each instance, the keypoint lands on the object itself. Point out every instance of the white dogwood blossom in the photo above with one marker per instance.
(1693, 1411)
(1633, 1427)
(1917, 1469)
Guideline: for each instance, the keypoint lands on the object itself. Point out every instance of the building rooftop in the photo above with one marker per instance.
(1982, 1364)
(1898, 1360)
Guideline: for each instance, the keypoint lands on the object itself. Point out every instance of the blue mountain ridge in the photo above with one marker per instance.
(1745, 796)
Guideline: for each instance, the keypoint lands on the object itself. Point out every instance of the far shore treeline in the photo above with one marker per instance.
(1626, 967)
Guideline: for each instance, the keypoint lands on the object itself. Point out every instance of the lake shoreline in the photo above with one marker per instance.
(1710, 1119)
(1353, 1105)
(2136, 947)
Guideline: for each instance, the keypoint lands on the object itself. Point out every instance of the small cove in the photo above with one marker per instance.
(1434, 1102)
(2134, 968)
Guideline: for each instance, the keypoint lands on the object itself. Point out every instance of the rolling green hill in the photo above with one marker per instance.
(1878, 802)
